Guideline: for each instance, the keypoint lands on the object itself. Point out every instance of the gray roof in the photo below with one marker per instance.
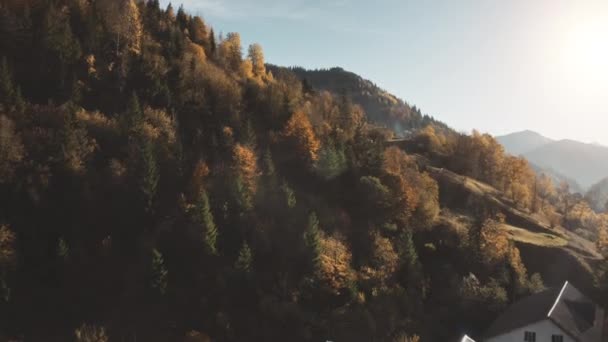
(567, 307)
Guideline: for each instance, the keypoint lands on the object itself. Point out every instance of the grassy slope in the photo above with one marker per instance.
(555, 253)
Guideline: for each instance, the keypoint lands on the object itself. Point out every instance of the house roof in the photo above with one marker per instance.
(573, 312)
(567, 307)
(466, 338)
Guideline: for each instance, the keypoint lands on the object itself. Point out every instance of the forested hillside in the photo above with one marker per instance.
(157, 185)
(381, 107)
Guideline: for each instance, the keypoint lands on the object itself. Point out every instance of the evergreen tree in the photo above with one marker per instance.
(408, 251)
(150, 175)
(204, 218)
(7, 90)
(244, 262)
(312, 241)
(134, 116)
(249, 137)
(212, 45)
(242, 196)
(290, 196)
(160, 273)
(63, 250)
(269, 168)
(331, 163)
(58, 38)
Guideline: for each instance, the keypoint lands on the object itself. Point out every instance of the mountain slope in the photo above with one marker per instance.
(597, 195)
(557, 178)
(585, 163)
(570, 254)
(575, 162)
(521, 142)
(380, 106)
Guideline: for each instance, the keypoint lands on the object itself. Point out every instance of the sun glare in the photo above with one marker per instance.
(586, 52)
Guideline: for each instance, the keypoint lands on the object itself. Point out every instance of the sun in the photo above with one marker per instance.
(585, 51)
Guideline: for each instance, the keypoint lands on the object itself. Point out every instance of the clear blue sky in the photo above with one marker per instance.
(497, 66)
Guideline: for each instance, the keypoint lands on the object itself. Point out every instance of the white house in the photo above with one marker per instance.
(559, 315)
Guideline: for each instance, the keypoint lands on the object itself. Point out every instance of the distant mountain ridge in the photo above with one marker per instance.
(380, 106)
(586, 164)
(522, 142)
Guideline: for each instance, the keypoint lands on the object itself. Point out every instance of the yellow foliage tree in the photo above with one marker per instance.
(335, 264)
(245, 165)
(518, 267)
(493, 244)
(384, 260)
(247, 69)
(416, 193)
(256, 56)
(230, 52)
(602, 241)
(299, 131)
(122, 18)
(544, 189)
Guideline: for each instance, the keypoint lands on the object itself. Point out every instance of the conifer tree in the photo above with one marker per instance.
(63, 250)
(312, 241)
(249, 136)
(150, 175)
(212, 45)
(256, 55)
(269, 168)
(182, 18)
(204, 218)
(242, 195)
(408, 252)
(7, 90)
(160, 273)
(290, 196)
(245, 259)
(134, 116)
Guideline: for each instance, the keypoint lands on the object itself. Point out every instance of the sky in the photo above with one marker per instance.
(496, 66)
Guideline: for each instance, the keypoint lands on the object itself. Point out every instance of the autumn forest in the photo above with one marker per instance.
(161, 182)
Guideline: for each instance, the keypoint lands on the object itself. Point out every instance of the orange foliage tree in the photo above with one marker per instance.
(299, 131)
(335, 264)
(245, 166)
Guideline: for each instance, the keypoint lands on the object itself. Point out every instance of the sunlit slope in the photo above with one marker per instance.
(554, 252)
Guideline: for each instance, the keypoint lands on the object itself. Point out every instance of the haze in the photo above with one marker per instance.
(498, 66)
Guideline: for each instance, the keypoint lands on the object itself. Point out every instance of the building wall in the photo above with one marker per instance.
(544, 330)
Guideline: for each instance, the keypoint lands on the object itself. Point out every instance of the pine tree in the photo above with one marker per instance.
(212, 45)
(160, 273)
(204, 218)
(269, 168)
(182, 18)
(150, 175)
(63, 250)
(7, 90)
(249, 137)
(245, 259)
(242, 195)
(312, 241)
(331, 163)
(408, 252)
(290, 196)
(134, 116)
(58, 38)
